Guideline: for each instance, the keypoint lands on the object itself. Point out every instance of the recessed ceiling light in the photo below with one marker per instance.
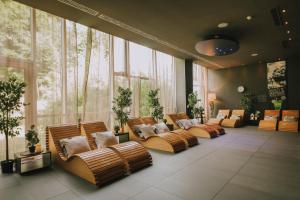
(290, 39)
(254, 54)
(223, 25)
(279, 58)
(283, 10)
(288, 31)
(249, 17)
(286, 22)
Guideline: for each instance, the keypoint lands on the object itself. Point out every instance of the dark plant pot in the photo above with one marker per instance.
(31, 149)
(7, 166)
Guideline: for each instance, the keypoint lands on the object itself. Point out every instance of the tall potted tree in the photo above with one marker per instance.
(121, 104)
(194, 104)
(156, 108)
(11, 92)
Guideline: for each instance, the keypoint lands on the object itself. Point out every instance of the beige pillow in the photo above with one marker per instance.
(74, 145)
(290, 118)
(105, 139)
(161, 128)
(270, 118)
(236, 117)
(147, 131)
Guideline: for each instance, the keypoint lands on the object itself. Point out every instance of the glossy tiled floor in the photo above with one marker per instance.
(243, 164)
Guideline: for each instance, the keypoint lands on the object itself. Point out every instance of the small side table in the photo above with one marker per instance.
(27, 162)
(123, 137)
(170, 126)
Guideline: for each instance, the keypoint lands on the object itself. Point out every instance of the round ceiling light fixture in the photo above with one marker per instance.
(217, 46)
(284, 11)
(223, 25)
(254, 54)
(288, 32)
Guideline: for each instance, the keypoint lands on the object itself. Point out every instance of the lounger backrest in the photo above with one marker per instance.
(149, 120)
(89, 128)
(238, 112)
(294, 113)
(273, 113)
(132, 122)
(61, 132)
(182, 116)
(224, 112)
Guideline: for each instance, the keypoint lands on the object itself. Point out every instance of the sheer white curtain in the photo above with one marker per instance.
(166, 81)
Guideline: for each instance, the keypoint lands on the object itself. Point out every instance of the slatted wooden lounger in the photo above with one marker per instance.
(168, 142)
(188, 138)
(224, 112)
(96, 166)
(198, 131)
(234, 123)
(269, 124)
(135, 155)
(289, 126)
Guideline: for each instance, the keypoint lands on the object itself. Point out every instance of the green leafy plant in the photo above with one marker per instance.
(248, 101)
(195, 105)
(121, 105)
(157, 111)
(116, 128)
(11, 92)
(32, 136)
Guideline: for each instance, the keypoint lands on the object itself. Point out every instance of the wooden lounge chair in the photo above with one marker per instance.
(189, 139)
(168, 142)
(96, 166)
(234, 123)
(224, 113)
(290, 121)
(198, 131)
(269, 123)
(135, 155)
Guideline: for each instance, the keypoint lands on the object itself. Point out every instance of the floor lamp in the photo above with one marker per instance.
(211, 99)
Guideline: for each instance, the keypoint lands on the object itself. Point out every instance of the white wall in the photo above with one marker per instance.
(180, 85)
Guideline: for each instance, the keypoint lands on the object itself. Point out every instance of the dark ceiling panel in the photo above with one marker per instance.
(184, 22)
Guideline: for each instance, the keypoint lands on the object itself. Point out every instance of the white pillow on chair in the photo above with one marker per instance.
(105, 139)
(74, 145)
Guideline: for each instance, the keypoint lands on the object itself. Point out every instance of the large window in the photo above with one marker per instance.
(200, 84)
(72, 71)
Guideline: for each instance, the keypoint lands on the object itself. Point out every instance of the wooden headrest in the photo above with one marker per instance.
(238, 112)
(149, 120)
(134, 121)
(274, 113)
(92, 127)
(290, 113)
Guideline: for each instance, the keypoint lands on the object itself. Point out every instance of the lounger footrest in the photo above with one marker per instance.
(177, 143)
(134, 154)
(105, 164)
(191, 139)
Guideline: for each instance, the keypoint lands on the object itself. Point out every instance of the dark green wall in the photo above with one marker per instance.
(224, 83)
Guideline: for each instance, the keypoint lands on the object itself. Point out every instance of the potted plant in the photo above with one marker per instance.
(121, 105)
(116, 128)
(195, 105)
(32, 139)
(248, 100)
(157, 111)
(11, 92)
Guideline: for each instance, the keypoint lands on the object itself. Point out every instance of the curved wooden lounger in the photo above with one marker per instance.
(289, 126)
(234, 123)
(96, 166)
(225, 112)
(134, 154)
(198, 131)
(189, 139)
(168, 142)
(269, 125)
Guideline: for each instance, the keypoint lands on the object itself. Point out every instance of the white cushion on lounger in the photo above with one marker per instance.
(147, 131)
(221, 116)
(194, 122)
(270, 118)
(184, 123)
(137, 129)
(74, 145)
(237, 117)
(105, 139)
(290, 118)
(161, 128)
